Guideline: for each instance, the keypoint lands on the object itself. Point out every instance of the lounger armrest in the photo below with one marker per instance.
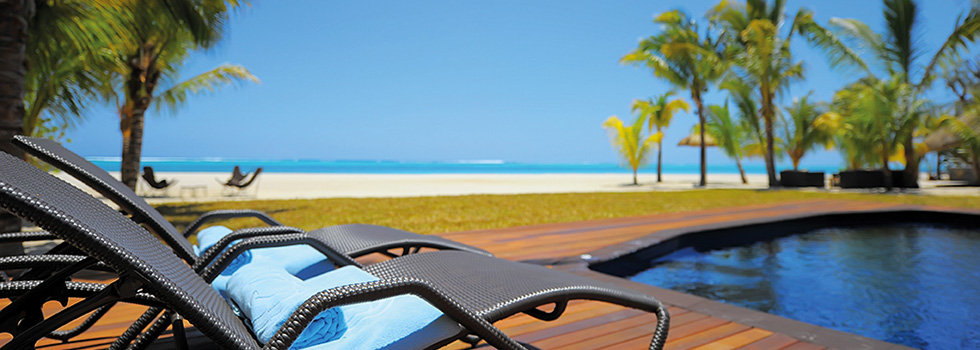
(376, 290)
(17, 237)
(208, 255)
(228, 214)
(209, 271)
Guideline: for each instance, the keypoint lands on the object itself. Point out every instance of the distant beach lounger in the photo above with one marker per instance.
(238, 180)
(471, 291)
(150, 177)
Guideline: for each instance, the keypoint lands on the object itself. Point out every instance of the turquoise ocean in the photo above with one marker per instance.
(222, 165)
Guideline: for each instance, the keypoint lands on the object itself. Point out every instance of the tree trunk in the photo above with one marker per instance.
(140, 84)
(939, 163)
(634, 178)
(767, 116)
(14, 20)
(976, 168)
(696, 96)
(660, 157)
(796, 164)
(910, 176)
(888, 172)
(741, 171)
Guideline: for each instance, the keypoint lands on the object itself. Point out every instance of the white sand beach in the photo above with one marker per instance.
(206, 186)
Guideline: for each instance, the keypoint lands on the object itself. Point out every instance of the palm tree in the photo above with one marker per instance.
(729, 135)
(763, 58)
(686, 58)
(629, 141)
(659, 112)
(801, 134)
(896, 53)
(866, 114)
(41, 32)
(161, 38)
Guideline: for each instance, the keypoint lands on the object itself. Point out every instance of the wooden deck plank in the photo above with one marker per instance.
(585, 324)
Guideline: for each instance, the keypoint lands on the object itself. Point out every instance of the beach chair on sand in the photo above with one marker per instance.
(158, 186)
(353, 240)
(239, 182)
(471, 290)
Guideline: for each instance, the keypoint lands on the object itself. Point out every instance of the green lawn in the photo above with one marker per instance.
(460, 213)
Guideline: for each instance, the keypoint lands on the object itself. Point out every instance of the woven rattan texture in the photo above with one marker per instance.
(497, 288)
(53, 153)
(359, 239)
(101, 232)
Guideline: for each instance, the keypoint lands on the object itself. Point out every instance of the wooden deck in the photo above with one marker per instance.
(696, 323)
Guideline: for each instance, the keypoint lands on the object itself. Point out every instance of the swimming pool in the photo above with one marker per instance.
(911, 284)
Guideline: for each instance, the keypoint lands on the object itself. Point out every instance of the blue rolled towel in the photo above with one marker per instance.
(269, 295)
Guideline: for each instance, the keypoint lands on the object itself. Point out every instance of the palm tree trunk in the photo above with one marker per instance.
(910, 174)
(887, 171)
(696, 96)
(142, 80)
(660, 154)
(14, 19)
(634, 177)
(741, 171)
(976, 168)
(767, 116)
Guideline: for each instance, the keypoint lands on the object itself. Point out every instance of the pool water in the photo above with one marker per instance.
(914, 285)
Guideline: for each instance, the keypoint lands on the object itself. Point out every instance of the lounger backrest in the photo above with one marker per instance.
(99, 231)
(90, 174)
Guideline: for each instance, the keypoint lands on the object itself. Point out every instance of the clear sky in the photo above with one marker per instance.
(521, 81)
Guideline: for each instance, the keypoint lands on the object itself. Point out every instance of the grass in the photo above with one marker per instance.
(475, 212)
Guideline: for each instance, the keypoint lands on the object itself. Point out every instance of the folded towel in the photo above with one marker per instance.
(269, 295)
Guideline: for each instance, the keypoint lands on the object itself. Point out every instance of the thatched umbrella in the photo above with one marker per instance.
(941, 140)
(694, 140)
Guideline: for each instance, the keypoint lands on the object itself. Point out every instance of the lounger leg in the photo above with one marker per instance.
(180, 337)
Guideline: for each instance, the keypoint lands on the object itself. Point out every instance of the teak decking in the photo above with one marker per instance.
(696, 323)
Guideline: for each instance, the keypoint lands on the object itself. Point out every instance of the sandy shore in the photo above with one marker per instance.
(206, 187)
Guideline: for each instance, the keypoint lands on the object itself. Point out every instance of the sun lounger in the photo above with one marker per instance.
(473, 290)
(351, 240)
(149, 176)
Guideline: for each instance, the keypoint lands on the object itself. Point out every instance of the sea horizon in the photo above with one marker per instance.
(478, 166)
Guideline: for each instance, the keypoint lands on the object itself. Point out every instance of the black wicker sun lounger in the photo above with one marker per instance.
(351, 240)
(474, 290)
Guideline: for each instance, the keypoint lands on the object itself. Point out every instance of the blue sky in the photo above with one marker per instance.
(521, 81)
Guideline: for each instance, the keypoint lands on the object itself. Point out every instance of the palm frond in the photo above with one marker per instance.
(205, 82)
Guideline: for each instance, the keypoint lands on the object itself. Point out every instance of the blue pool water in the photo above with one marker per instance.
(914, 285)
(400, 167)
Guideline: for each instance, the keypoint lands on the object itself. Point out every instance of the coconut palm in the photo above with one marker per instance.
(54, 30)
(729, 134)
(687, 58)
(150, 59)
(866, 117)
(659, 112)
(629, 141)
(800, 133)
(763, 58)
(896, 56)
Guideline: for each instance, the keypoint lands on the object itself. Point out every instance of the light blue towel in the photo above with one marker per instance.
(302, 261)
(399, 322)
(269, 295)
